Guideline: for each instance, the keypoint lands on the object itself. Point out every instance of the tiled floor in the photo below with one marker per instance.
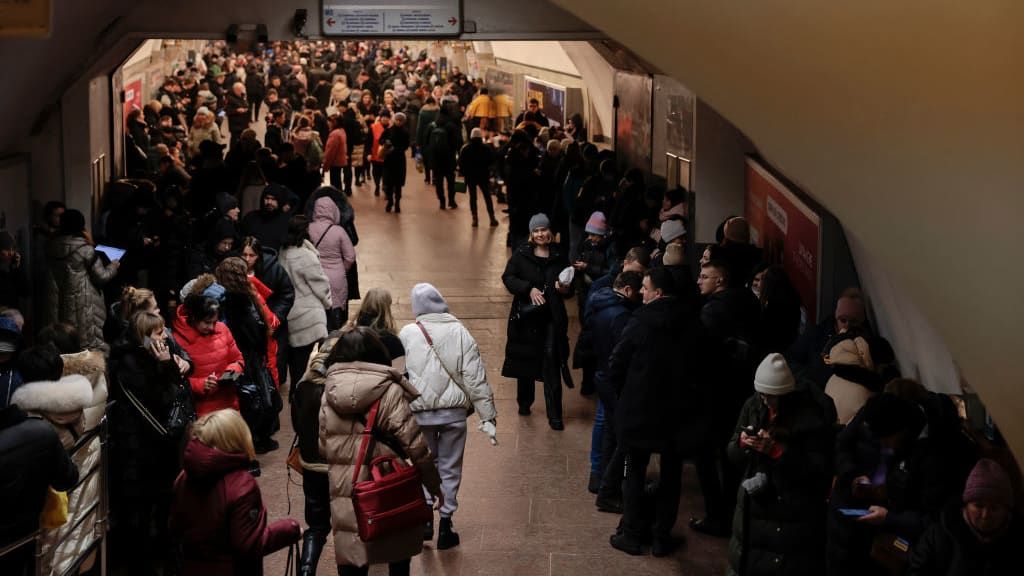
(523, 505)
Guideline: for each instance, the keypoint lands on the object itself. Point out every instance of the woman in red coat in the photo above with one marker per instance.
(218, 511)
(209, 342)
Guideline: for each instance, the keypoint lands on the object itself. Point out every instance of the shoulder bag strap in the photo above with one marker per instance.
(430, 342)
(317, 245)
(142, 410)
(365, 443)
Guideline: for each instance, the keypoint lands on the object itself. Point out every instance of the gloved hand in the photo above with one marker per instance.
(491, 430)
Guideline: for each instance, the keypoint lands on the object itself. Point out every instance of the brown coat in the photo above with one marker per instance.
(349, 392)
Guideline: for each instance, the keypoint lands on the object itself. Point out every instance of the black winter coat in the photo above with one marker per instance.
(31, 459)
(922, 479)
(143, 463)
(607, 313)
(781, 529)
(475, 161)
(728, 319)
(272, 274)
(524, 350)
(652, 368)
(270, 229)
(950, 548)
(237, 121)
(394, 162)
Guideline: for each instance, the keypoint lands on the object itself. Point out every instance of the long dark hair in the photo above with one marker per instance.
(298, 231)
(359, 344)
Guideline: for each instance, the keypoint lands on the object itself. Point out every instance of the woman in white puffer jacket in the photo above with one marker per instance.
(444, 364)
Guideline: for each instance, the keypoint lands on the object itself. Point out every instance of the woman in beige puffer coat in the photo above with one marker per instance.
(358, 376)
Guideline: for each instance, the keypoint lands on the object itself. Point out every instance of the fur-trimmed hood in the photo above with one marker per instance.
(93, 365)
(69, 395)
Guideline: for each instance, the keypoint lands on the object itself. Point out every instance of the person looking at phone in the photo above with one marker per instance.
(892, 462)
(215, 356)
(782, 443)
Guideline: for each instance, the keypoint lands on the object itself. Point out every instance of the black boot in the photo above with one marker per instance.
(398, 205)
(446, 537)
(312, 546)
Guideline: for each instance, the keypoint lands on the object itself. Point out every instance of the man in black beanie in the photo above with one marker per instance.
(269, 224)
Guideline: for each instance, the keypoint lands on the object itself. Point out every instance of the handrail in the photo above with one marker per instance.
(8, 548)
(87, 437)
(98, 510)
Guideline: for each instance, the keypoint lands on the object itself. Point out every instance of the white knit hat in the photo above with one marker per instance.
(773, 376)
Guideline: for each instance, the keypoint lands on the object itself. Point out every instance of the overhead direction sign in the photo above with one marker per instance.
(398, 18)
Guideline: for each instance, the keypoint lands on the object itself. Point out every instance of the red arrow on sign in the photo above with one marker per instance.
(330, 21)
(453, 20)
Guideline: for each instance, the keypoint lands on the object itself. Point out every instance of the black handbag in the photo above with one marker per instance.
(182, 411)
(526, 310)
(254, 393)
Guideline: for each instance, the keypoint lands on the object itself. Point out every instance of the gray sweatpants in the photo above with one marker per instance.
(448, 444)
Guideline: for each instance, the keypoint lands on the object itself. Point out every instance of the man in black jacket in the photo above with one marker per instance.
(237, 109)
(651, 368)
(31, 461)
(475, 161)
(269, 224)
(727, 318)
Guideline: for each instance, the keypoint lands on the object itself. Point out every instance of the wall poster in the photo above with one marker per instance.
(788, 231)
(551, 98)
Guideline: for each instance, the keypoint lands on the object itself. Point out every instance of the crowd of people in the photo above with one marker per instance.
(813, 454)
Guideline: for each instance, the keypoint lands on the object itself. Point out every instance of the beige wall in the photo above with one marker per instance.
(902, 118)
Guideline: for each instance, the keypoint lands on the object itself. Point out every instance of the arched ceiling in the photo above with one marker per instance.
(905, 119)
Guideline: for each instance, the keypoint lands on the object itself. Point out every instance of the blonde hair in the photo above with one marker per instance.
(377, 306)
(226, 431)
(135, 300)
(143, 324)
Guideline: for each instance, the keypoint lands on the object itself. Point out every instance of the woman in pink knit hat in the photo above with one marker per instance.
(982, 536)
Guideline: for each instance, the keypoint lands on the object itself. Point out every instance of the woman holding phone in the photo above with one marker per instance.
(144, 377)
(216, 359)
(783, 445)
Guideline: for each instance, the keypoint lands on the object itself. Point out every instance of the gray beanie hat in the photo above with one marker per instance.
(427, 300)
(539, 220)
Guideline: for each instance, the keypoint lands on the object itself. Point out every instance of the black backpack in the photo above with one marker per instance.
(438, 142)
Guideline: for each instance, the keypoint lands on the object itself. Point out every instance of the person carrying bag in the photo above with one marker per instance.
(443, 362)
(361, 386)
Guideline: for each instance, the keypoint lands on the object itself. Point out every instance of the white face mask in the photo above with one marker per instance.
(756, 292)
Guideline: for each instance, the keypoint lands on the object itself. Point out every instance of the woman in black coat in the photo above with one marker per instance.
(783, 444)
(538, 343)
(396, 141)
(144, 462)
(251, 325)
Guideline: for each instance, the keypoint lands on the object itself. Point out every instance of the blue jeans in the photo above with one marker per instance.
(597, 439)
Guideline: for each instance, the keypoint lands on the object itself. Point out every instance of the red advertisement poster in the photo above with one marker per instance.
(788, 231)
(132, 97)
